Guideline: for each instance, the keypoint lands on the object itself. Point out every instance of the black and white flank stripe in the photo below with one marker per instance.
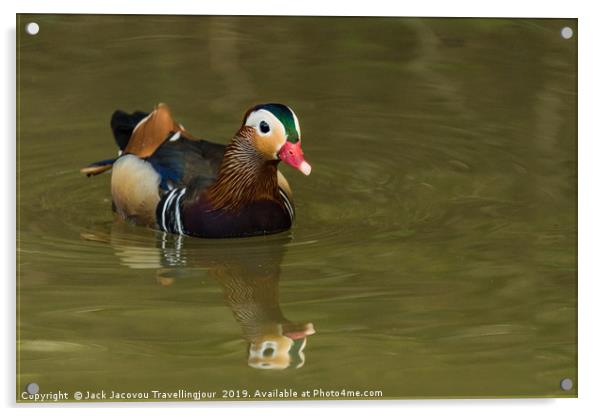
(287, 204)
(169, 215)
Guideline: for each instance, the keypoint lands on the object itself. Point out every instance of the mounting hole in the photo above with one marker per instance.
(32, 388)
(32, 28)
(566, 384)
(566, 32)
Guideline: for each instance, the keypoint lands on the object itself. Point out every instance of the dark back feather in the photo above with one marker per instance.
(185, 162)
(123, 124)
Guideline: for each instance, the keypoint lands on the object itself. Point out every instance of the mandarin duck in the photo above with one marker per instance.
(166, 179)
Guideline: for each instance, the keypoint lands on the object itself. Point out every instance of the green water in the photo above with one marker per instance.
(434, 252)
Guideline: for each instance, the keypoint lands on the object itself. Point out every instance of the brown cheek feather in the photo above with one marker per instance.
(268, 145)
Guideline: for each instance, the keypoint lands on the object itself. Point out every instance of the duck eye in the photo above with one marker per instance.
(264, 127)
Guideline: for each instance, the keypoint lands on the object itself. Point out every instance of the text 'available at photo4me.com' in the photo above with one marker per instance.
(199, 395)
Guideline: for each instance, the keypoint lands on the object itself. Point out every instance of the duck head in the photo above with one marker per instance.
(280, 347)
(275, 132)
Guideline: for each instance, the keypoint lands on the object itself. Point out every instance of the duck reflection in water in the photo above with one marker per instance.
(248, 272)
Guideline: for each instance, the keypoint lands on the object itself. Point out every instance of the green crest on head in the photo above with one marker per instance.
(286, 117)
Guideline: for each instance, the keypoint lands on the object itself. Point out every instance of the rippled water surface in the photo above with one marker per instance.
(434, 252)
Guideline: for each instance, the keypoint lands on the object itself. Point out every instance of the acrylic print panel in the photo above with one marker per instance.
(433, 249)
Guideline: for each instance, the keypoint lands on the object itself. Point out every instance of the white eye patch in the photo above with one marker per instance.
(260, 118)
